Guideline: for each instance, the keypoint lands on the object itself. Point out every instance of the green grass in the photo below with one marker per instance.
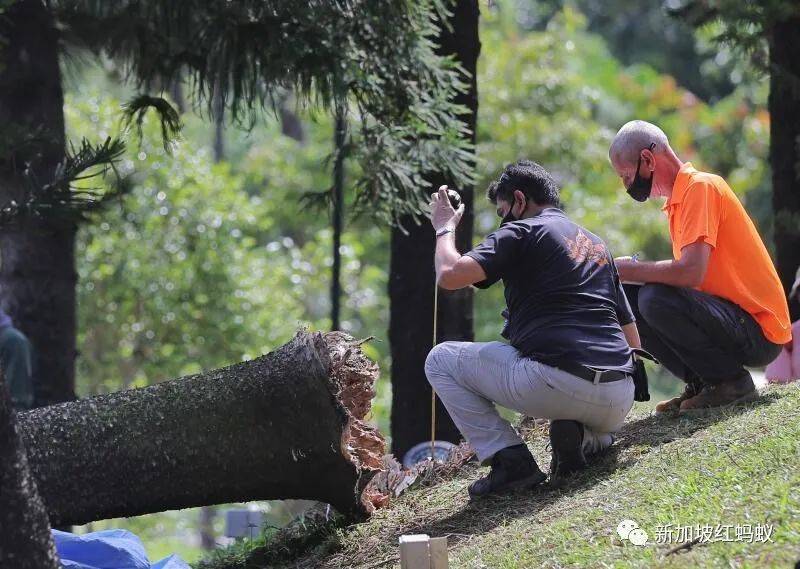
(733, 467)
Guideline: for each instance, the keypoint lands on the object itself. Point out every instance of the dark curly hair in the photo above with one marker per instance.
(528, 177)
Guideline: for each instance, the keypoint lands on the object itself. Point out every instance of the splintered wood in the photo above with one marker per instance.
(393, 479)
(355, 375)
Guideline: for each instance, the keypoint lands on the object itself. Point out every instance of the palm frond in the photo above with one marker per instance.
(135, 110)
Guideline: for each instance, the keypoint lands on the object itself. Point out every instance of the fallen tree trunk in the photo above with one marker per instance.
(25, 539)
(285, 425)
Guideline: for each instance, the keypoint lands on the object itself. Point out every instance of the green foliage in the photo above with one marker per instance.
(745, 26)
(135, 110)
(273, 548)
(72, 192)
(661, 470)
(378, 56)
(160, 297)
(648, 33)
(202, 266)
(557, 96)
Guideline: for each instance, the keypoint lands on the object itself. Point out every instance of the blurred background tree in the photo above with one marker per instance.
(237, 57)
(411, 275)
(768, 35)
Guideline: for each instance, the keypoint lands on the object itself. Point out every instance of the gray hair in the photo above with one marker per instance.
(633, 137)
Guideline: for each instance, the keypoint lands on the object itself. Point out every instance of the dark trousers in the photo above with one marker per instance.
(700, 338)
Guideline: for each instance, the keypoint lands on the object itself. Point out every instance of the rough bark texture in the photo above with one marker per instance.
(285, 425)
(25, 539)
(784, 110)
(412, 276)
(37, 270)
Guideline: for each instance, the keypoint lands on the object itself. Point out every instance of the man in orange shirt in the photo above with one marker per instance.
(718, 305)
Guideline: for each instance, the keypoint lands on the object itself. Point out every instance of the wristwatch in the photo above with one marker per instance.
(444, 230)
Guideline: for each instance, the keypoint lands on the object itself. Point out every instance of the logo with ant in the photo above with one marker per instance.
(630, 530)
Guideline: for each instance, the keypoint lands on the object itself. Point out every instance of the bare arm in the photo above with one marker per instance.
(453, 270)
(688, 271)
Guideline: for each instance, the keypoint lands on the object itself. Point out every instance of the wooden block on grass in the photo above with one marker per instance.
(438, 551)
(414, 552)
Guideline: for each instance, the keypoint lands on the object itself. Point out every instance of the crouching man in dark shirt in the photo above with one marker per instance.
(570, 331)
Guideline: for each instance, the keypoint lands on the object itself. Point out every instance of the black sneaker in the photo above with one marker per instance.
(566, 442)
(512, 467)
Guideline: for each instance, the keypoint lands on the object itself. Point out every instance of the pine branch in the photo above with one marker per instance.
(67, 194)
(381, 57)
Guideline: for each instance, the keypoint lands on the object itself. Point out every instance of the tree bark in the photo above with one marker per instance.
(286, 425)
(37, 268)
(411, 278)
(784, 110)
(25, 539)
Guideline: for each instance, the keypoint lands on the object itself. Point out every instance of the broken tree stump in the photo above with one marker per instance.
(25, 538)
(285, 425)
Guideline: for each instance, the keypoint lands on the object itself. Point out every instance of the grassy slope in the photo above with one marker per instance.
(738, 466)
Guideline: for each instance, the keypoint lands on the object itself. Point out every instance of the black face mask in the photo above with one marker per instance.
(640, 188)
(510, 215)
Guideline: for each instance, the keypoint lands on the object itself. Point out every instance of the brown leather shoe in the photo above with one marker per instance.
(739, 390)
(674, 404)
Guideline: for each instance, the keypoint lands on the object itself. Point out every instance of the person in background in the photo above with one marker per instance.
(786, 366)
(16, 362)
(718, 304)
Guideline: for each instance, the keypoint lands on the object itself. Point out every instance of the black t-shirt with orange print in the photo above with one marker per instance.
(563, 294)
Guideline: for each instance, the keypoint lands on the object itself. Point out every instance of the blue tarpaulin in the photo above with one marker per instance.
(109, 549)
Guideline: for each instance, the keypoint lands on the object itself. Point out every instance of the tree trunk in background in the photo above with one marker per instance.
(340, 130)
(25, 540)
(218, 116)
(286, 425)
(208, 539)
(175, 89)
(206, 515)
(784, 110)
(411, 278)
(291, 125)
(37, 259)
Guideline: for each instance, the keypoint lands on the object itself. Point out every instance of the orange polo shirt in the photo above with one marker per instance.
(704, 208)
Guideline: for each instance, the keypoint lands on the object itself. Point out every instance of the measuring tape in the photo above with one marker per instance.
(433, 390)
(455, 202)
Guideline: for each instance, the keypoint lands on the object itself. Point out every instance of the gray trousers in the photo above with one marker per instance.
(470, 377)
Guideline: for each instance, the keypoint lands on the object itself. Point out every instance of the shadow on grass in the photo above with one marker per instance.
(655, 430)
(475, 518)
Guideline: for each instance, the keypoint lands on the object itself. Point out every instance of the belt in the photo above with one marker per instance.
(589, 374)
